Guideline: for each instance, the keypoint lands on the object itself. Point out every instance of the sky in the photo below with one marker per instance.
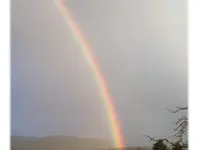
(141, 47)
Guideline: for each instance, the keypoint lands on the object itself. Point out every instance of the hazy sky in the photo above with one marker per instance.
(141, 46)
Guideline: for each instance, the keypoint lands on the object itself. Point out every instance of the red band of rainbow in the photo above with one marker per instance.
(103, 88)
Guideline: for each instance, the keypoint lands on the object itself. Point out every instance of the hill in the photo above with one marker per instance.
(129, 148)
(63, 143)
(57, 143)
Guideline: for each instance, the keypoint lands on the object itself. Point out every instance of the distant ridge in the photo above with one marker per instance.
(57, 142)
(129, 148)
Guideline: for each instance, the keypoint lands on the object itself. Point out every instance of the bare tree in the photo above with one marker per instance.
(182, 123)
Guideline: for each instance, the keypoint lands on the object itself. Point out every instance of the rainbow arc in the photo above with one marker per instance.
(103, 88)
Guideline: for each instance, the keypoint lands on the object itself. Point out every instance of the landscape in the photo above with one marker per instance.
(62, 143)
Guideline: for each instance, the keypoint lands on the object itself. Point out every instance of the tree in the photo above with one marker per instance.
(177, 146)
(181, 132)
(182, 123)
(160, 145)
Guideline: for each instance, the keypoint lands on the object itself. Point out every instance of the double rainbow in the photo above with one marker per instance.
(103, 88)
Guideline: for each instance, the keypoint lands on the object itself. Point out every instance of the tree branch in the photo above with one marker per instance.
(183, 118)
(166, 140)
(183, 124)
(178, 109)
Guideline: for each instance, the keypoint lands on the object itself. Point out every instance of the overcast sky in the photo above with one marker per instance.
(141, 46)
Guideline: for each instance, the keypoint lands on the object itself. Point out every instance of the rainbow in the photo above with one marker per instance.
(103, 88)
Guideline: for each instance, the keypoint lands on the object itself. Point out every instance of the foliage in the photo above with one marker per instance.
(160, 145)
(177, 146)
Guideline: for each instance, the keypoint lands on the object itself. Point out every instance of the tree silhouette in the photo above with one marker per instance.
(181, 131)
(177, 146)
(160, 145)
(182, 123)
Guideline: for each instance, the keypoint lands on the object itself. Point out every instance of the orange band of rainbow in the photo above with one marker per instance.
(85, 48)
